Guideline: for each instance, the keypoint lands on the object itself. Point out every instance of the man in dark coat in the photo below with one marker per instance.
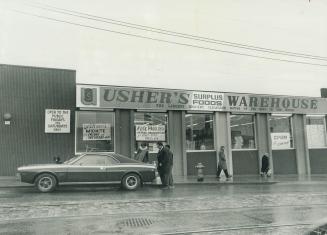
(162, 157)
(264, 164)
(222, 165)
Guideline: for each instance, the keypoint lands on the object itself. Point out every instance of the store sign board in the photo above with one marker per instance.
(57, 121)
(89, 96)
(141, 98)
(166, 99)
(281, 140)
(97, 131)
(150, 132)
(272, 104)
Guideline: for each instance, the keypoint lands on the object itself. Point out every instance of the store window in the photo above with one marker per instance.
(94, 131)
(199, 131)
(316, 131)
(281, 131)
(150, 128)
(242, 131)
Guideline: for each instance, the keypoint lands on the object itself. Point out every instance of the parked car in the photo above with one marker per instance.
(89, 167)
(318, 228)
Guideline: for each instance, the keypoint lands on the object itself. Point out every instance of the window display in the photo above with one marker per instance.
(94, 131)
(199, 132)
(281, 131)
(242, 131)
(150, 128)
(316, 131)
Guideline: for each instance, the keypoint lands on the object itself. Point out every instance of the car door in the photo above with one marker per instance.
(89, 168)
(115, 169)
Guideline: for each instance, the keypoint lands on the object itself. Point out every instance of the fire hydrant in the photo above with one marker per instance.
(200, 167)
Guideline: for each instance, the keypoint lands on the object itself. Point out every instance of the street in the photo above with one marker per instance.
(283, 208)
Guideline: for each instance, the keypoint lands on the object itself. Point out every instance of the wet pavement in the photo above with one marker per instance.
(282, 208)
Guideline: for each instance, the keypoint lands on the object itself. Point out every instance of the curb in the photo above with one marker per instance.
(154, 185)
(16, 186)
(222, 183)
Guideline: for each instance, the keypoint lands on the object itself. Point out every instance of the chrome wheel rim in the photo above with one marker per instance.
(45, 183)
(131, 181)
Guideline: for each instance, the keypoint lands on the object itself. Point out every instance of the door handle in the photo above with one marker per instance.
(102, 168)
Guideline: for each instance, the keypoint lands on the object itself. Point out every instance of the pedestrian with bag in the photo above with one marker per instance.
(265, 165)
(222, 165)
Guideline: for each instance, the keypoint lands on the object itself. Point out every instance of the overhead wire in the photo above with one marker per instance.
(173, 33)
(165, 41)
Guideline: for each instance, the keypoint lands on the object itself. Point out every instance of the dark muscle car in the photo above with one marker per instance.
(89, 167)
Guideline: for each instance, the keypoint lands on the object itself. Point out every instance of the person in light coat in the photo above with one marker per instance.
(142, 154)
(222, 165)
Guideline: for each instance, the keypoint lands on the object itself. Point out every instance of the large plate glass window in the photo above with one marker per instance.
(316, 131)
(242, 131)
(199, 131)
(150, 128)
(281, 131)
(94, 131)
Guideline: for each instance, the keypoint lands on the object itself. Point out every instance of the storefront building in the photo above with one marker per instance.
(196, 123)
(45, 114)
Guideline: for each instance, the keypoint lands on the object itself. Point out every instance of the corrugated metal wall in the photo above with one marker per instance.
(25, 93)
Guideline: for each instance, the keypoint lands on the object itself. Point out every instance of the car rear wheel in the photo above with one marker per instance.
(46, 183)
(131, 181)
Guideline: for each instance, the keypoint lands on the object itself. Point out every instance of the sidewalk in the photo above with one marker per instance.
(255, 179)
(11, 181)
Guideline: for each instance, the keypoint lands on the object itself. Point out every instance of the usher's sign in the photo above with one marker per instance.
(140, 98)
(164, 99)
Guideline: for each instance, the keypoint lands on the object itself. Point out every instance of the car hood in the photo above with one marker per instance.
(40, 166)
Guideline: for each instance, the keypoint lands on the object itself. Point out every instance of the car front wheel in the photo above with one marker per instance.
(131, 181)
(45, 183)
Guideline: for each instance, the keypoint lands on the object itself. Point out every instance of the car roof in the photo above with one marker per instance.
(118, 157)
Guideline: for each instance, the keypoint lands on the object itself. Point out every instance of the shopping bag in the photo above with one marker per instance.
(157, 180)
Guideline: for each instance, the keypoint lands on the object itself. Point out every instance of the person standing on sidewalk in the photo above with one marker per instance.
(142, 154)
(222, 165)
(264, 165)
(170, 167)
(162, 158)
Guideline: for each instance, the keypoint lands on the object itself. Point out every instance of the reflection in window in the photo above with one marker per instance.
(150, 128)
(281, 131)
(242, 131)
(199, 131)
(316, 131)
(94, 131)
